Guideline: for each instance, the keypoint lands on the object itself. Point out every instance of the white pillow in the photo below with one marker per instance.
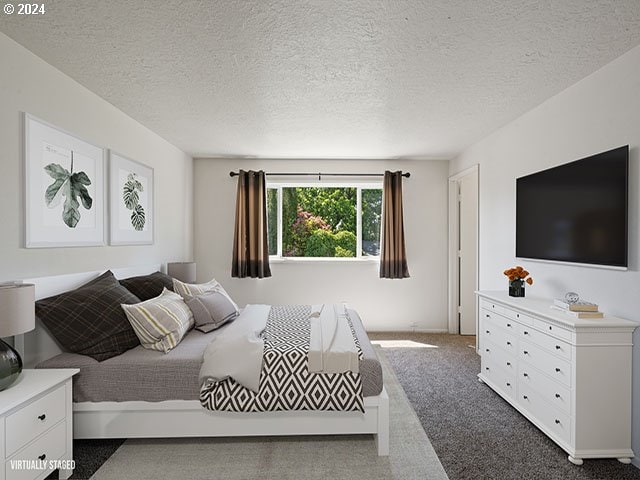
(161, 322)
(188, 290)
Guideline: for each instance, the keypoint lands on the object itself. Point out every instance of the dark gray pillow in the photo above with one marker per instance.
(89, 320)
(146, 287)
(211, 310)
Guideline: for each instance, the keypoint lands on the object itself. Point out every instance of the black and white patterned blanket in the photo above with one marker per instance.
(285, 380)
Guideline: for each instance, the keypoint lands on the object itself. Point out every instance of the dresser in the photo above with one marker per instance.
(570, 377)
(36, 422)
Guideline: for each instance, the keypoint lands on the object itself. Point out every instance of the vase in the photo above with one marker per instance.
(516, 288)
(10, 365)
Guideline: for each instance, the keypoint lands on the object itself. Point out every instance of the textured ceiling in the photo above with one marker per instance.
(327, 79)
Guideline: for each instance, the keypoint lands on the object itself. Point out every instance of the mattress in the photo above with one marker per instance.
(146, 375)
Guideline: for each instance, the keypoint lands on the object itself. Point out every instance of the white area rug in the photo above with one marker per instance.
(319, 457)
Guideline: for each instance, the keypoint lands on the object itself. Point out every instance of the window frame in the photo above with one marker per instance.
(359, 186)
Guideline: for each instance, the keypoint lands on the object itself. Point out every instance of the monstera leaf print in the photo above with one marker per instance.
(131, 197)
(71, 186)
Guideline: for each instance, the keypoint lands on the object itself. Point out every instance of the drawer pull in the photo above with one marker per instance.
(508, 364)
(517, 315)
(557, 370)
(509, 325)
(526, 333)
(509, 343)
(486, 350)
(526, 353)
(557, 395)
(42, 457)
(42, 417)
(508, 384)
(558, 347)
(525, 374)
(557, 422)
(486, 368)
(525, 397)
(550, 327)
(487, 331)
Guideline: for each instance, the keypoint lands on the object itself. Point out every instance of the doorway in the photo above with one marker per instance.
(463, 252)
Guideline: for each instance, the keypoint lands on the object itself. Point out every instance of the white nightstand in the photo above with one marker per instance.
(36, 432)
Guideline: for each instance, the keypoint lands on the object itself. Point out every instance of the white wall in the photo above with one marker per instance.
(28, 84)
(599, 113)
(383, 304)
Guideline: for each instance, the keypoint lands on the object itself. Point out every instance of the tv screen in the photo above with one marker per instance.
(575, 212)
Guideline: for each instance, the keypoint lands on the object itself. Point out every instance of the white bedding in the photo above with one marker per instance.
(332, 348)
(237, 352)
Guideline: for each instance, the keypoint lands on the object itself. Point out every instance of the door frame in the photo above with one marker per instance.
(454, 274)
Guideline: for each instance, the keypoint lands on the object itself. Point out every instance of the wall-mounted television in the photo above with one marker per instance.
(576, 212)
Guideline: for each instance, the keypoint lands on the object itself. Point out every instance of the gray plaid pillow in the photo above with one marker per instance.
(89, 320)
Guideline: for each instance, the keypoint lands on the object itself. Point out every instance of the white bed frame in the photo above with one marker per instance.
(187, 418)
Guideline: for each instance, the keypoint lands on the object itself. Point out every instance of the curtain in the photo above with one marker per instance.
(393, 259)
(250, 245)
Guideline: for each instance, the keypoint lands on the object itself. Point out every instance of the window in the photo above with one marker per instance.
(322, 222)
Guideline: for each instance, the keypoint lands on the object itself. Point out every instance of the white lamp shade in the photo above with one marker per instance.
(183, 271)
(17, 309)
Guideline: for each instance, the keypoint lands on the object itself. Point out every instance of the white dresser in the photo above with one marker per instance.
(36, 434)
(570, 377)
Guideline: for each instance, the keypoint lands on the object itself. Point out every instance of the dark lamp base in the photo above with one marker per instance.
(10, 365)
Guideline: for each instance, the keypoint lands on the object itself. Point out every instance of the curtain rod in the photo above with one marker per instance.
(319, 174)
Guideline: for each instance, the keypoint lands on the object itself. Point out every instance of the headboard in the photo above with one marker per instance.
(39, 345)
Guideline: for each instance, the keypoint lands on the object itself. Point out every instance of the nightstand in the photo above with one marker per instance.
(36, 432)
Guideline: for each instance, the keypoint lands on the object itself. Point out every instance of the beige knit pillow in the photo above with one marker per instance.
(188, 290)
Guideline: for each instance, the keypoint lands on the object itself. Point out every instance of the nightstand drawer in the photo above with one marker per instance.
(32, 420)
(50, 446)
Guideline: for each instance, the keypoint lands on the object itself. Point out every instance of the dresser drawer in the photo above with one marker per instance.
(503, 322)
(50, 446)
(504, 359)
(491, 330)
(32, 420)
(490, 306)
(559, 423)
(554, 367)
(552, 329)
(502, 379)
(554, 345)
(553, 392)
(519, 317)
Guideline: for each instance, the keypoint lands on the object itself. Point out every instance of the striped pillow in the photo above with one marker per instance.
(161, 322)
(188, 290)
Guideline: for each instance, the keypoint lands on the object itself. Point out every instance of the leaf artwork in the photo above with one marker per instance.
(70, 186)
(131, 196)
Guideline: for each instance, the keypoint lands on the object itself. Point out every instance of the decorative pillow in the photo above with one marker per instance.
(89, 319)
(160, 323)
(150, 286)
(211, 310)
(187, 290)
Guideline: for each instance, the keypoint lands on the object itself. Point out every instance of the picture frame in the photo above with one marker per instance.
(131, 201)
(64, 188)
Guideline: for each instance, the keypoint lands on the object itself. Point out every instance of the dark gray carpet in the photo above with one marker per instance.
(89, 456)
(476, 434)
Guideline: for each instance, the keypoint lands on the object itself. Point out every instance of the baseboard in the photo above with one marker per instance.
(408, 330)
(635, 461)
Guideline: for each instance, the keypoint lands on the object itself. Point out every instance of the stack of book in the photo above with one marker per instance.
(578, 309)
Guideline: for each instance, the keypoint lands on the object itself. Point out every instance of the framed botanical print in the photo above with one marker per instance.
(64, 188)
(130, 201)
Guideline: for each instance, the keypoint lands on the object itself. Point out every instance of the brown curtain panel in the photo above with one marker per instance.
(393, 259)
(250, 244)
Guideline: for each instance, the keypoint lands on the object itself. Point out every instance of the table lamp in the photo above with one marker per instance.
(183, 271)
(17, 316)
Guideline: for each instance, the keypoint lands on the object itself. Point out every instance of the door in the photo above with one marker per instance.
(467, 251)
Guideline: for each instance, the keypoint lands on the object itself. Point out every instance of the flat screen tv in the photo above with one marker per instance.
(576, 212)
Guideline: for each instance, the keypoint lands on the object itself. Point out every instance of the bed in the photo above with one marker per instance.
(111, 404)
